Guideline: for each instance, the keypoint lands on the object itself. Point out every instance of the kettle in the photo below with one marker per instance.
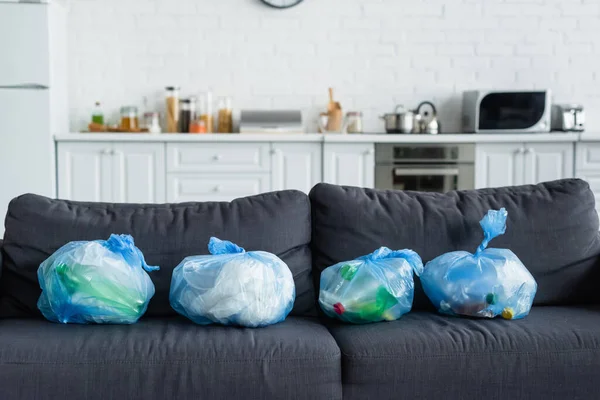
(426, 119)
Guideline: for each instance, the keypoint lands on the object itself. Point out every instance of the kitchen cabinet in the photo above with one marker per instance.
(507, 164)
(215, 187)
(84, 171)
(111, 172)
(296, 166)
(138, 172)
(587, 166)
(351, 164)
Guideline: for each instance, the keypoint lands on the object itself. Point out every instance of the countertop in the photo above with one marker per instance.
(330, 138)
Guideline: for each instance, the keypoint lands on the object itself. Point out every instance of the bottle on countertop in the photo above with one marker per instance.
(97, 114)
(206, 111)
(187, 114)
(172, 108)
(225, 115)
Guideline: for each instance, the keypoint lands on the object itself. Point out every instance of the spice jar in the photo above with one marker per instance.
(172, 103)
(187, 114)
(129, 119)
(225, 115)
(206, 111)
(354, 122)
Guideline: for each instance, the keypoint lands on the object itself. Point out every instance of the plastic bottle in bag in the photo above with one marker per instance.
(102, 281)
(486, 284)
(372, 288)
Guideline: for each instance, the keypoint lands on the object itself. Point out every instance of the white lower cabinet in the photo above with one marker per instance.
(138, 173)
(215, 187)
(85, 171)
(350, 164)
(508, 164)
(296, 166)
(588, 166)
(111, 172)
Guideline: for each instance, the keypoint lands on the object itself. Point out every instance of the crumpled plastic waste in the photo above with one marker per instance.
(376, 287)
(486, 284)
(233, 287)
(101, 282)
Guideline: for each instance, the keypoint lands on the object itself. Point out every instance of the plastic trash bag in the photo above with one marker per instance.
(233, 287)
(102, 282)
(486, 284)
(376, 287)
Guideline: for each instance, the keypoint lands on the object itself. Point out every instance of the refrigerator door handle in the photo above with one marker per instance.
(25, 86)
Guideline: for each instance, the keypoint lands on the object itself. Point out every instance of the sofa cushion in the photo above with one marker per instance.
(552, 227)
(168, 358)
(554, 353)
(37, 226)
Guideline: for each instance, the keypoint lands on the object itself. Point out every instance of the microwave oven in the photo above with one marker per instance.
(494, 111)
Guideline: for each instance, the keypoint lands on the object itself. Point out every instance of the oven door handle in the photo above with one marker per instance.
(425, 171)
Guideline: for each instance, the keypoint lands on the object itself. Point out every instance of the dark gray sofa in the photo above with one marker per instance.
(552, 354)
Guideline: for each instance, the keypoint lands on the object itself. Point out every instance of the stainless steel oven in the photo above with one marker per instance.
(425, 167)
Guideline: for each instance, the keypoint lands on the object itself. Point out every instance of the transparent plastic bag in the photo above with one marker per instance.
(486, 284)
(101, 281)
(233, 287)
(376, 287)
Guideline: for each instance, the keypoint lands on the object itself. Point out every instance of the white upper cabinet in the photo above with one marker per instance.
(112, 172)
(84, 171)
(138, 172)
(509, 164)
(24, 44)
(296, 166)
(350, 164)
(548, 161)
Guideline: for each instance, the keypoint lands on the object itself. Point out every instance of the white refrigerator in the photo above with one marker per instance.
(33, 93)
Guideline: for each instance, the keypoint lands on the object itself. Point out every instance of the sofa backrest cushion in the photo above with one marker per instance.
(552, 227)
(37, 226)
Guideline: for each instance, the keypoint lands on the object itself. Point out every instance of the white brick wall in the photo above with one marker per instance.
(375, 53)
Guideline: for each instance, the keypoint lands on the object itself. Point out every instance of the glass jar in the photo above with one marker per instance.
(225, 115)
(172, 106)
(206, 111)
(187, 114)
(354, 120)
(129, 119)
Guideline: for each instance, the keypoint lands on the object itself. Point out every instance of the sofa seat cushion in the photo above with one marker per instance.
(552, 227)
(36, 226)
(168, 359)
(554, 353)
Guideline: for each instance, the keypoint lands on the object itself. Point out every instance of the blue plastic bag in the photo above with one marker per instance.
(102, 282)
(376, 287)
(486, 284)
(233, 287)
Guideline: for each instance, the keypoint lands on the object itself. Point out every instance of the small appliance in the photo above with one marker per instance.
(496, 111)
(568, 118)
(271, 121)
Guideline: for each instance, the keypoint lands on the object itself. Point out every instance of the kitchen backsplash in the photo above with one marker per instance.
(375, 53)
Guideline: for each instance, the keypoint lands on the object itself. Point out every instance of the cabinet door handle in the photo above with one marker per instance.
(369, 152)
(217, 157)
(275, 151)
(113, 152)
(106, 152)
(217, 188)
(529, 150)
(521, 150)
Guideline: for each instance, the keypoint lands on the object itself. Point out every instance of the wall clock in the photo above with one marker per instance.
(282, 3)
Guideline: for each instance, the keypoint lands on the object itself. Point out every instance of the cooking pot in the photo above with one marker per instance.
(401, 120)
